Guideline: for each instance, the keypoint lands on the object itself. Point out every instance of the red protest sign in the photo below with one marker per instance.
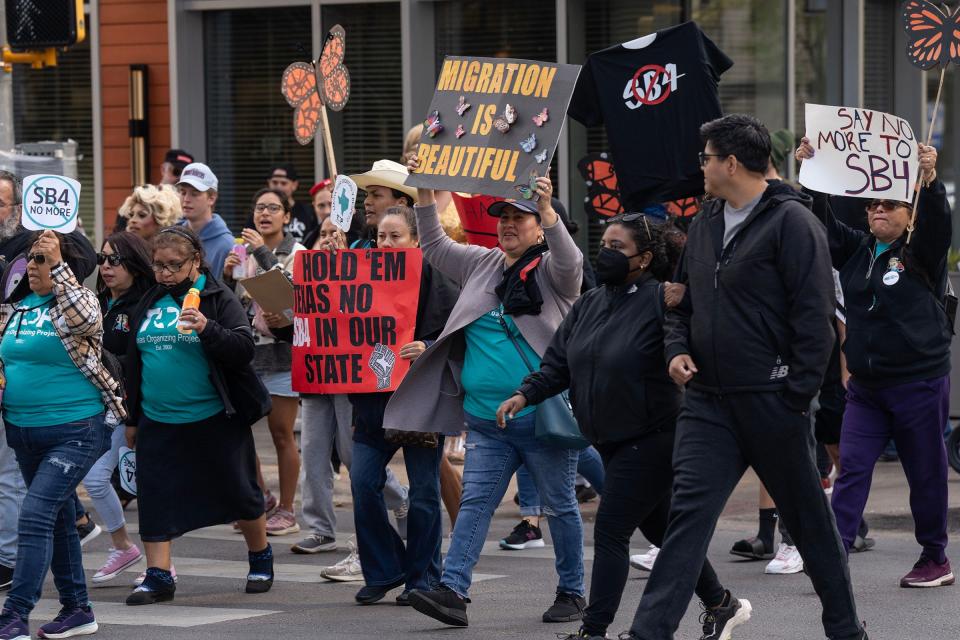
(353, 311)
(480, 227)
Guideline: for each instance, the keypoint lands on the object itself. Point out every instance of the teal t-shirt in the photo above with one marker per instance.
(880, 248)
(492, 369)
(44, 386)
(175, 384)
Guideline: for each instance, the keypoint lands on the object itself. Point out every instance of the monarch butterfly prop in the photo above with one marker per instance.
(308, 88)
(933, 36)
(603, 194)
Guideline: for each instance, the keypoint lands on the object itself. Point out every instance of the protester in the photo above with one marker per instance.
(192, 397)
(270, 247)
(321, 195)
(388, 563)
(609, 353)
(384, 188)
(897, 349)
(125, 276)
(52, 331)
(198, 194)
(752, 341)
(303, 219)
(149, 209)
(174, 162)
(527, 287)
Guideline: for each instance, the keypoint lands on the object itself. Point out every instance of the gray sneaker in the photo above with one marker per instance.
(347, 570)
(315, 543)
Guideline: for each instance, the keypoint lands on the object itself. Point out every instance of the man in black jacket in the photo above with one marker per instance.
(752, 346)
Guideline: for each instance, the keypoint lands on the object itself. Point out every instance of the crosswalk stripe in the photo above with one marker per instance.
(165, 615)
(207, 568)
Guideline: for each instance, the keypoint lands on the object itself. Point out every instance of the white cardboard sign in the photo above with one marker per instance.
(50, 202)
(128, 469)
(344, 200)
(861, 153)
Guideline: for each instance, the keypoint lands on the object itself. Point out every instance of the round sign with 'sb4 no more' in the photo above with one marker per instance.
(50, 202)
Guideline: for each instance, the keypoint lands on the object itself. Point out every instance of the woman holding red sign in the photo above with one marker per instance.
(525, 289)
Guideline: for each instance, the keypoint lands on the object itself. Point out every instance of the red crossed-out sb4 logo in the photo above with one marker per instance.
(651, 85)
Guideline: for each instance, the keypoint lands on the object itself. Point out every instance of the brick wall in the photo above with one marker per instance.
(131, 32)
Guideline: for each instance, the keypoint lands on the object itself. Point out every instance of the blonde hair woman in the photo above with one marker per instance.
(150, 208)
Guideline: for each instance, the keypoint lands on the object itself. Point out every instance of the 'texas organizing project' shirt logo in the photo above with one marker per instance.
(651, 85)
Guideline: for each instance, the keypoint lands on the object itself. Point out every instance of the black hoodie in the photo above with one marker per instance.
(761, 308)
(897, 328)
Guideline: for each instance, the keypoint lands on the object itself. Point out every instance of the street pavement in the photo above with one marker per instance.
(512, 589)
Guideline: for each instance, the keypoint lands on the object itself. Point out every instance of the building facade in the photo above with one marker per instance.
(213, 71)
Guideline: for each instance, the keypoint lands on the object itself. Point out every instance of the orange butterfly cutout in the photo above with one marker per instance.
(683, 208)
(933, 37)
(309, 87)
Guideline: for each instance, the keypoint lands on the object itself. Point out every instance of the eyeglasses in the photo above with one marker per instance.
(889, 205)
(272, 208)
(112, 258)
(702, 157)
(632, 217)
(39, 258)
(173, 267)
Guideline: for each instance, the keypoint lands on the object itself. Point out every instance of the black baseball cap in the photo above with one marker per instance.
(287, 171)
(527, 206)
(178, 158)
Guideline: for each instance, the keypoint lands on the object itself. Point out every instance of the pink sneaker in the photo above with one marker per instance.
(117, 562)
(281, 523)
(143, 576)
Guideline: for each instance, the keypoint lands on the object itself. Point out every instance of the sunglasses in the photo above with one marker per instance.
(632, 217)
(113, 259)
(39, 258)
(889, 205)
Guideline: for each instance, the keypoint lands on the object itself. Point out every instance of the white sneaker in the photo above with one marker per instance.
(347, 570)
(644, 561)
(786, 561)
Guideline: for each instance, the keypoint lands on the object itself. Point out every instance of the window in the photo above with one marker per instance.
(249, 124)
(56, 104)
(371, 127)
(880, 21)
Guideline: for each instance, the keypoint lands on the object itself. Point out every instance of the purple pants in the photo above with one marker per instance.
(914, 415)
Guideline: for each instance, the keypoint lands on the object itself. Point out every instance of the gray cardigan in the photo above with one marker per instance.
(430, 397)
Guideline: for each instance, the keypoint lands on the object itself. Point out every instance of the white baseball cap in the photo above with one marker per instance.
(199, 176)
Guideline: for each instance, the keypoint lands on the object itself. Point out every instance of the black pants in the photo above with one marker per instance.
(636, 493)
(717, 438)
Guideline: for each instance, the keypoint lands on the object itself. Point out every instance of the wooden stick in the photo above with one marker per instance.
(916, 196)
(328, 143)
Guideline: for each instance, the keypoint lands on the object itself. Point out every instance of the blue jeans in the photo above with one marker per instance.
(493, 456)
(53, 461)
(589, 465)
(384, 557)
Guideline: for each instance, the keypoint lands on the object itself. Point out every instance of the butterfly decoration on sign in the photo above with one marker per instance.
(502, 122)
(529, 190)
(309, 88)
(462, 106)
(933, 35)
(541, 117)
(540, 157)
(529, 143)
(432, 124)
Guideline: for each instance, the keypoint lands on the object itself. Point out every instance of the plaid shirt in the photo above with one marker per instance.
(77, 320)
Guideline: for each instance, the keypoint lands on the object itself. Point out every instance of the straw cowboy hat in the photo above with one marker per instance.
(386, 173)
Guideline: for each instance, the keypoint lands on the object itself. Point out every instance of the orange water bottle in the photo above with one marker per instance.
(191, 301)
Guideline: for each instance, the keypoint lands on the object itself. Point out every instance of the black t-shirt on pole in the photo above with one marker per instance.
(652, 94)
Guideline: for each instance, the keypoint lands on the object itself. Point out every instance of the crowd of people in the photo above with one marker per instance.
(769, 328)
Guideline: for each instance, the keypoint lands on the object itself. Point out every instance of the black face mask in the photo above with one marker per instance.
(613, 267)
(181, 288)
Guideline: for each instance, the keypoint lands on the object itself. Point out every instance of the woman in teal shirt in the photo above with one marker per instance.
(54, 400)
(189, 397)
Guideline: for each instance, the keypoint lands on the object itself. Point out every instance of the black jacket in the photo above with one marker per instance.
(438, 294)
(897, 328)
(609, 352)
(118, 319)
(760, 309)
(227, 341)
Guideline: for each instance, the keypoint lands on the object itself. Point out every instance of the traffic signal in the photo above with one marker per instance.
(38, 24)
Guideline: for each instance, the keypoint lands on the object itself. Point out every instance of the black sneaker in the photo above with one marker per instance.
(566, 608)
(145, 594)
(719, 623)
(371, 594)
(6, 577)
(403, 600)
(585, 493)
(524, 536)
(88, 531)
(441, 604)
(579, 635)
